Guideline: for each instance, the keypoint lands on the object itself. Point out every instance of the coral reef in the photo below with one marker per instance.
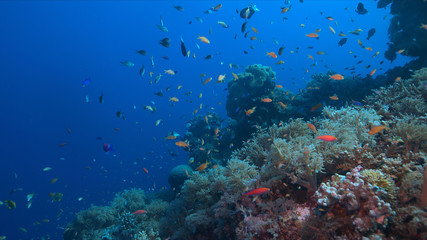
(117, 221)
(366, 180)
(353, 204)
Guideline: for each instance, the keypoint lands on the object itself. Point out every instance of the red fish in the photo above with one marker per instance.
(139, 212)
(258, 191)
(327, 138)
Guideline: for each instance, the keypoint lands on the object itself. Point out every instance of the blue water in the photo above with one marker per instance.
(49, 47)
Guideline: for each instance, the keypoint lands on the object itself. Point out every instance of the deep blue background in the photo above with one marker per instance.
(48, 48)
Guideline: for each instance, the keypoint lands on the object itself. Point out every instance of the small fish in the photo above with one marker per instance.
(243, 28)
(145, 170)
(361, 10)
(376, 129)
(68, 130)
(107, 147)
(127, 63)
(235, 76)
(333, 97)
(336, 77)
(258, 191)
(208, 57)
(280, 52)
(170, 72)
(373, 72)
(142, 52)
(162, 26)
(139, 212)
(223, 24)
(371, 33)
(10, 204)
(327, 138)
(250, 111)
(207, 80)
(53, 180)
(170, 137)
(221, 78)
(86, 82)
(165, 42)
(182, 144)
(313, 35)
(204, 39)
(173, 99)
(332, 30)
(152, 62)
(183, 48)
(280, 62)
(202, 166)
(47, 169)
(312, 127)
(266, 100)
(158, 122)
(317, 106)
(63, 144)
(101, 98)
(282, 105)
(272, 54)
(179, 8)
(356, 103)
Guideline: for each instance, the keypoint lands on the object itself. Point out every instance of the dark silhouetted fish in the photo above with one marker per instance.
(371, 33)
(247, 12)
(281, 50)
(361, 9)
(165, 42)
(183, 48)
(244, 27)
(342, 41)
(383, 3)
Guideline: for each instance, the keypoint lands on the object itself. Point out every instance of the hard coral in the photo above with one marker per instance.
(351, 200)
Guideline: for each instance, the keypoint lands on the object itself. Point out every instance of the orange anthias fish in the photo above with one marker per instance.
(312, 127)
(376, 129)
(313, 35)
(333, 97)
(336, 77)
(204, 39)
(203, 166)
(254, 29)
(327, 138)
(373, 72)
(207, 80)
(282, 105)
(139, 212)
(271, 54)
(217, 7)
(279, 86)
(258, 191)
(170, 137)
(266, 100)
(250, 111)
(145, 170)
(182, 144)
(235, 75)
(314, 108)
